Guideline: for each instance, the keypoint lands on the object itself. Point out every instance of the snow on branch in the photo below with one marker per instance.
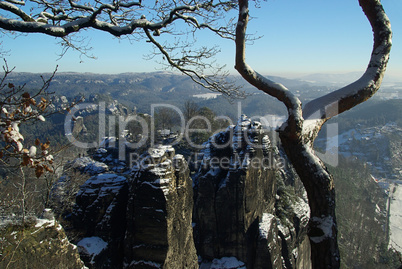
(366, 86)
(122, 18)
(325, 225)
(274, 89)
(119, 18)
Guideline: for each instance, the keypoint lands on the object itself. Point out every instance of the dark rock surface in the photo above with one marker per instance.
(142, 222)
(236, 202)
(247, 208)
(100, 211)
(159, 213)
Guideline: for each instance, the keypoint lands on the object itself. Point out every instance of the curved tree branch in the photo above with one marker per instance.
(298, 133)
(15, 10)
(366, 86)
(120, 18)
(274, 89)
(209, 82)
(76, 23)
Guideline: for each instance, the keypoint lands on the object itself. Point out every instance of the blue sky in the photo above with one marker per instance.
(298, 37)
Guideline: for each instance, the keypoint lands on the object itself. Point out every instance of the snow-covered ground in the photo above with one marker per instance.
(223, 263)
(395, 218)
(207, 96)
(377, 146)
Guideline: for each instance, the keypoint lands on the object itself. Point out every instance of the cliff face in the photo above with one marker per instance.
(244, 209)
(159, 213)
(42, 244)
(142, 219)
(100, 211)
(233, 191)
(236, 204)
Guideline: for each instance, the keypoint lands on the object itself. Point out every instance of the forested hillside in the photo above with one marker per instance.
(369, 139)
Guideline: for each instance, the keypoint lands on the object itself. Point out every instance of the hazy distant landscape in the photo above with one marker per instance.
(140, 90)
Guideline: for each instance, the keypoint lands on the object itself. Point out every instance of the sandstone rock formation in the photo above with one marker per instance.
(246, 209)
(42, 244)
(142, 222)
(79, 126)
(236, 202)
(159, 213)
(100, 211)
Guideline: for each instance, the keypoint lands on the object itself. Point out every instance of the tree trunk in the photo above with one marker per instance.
(321, 195)
(298, 133)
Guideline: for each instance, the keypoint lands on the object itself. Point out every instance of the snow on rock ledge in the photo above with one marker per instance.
(88, 165)
(91, 247)
(223, 263)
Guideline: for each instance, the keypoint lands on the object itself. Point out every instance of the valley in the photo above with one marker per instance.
(125, 109)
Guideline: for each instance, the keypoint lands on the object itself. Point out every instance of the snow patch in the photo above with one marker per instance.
(227, 263)
(265, 225)
(88, 165)
(302, 210)
(207, 96)
(91, 246)
(44, 222)
(395, 219)
(325, 225)
(142, 263)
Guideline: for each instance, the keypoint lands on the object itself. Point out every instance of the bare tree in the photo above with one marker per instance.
(165, 118)
(154, 22)
(19, 160)
(190, 109)
(298, 133)
(17, 107)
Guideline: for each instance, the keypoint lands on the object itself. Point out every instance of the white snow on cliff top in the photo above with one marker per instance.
(89, 165)
(92, 246)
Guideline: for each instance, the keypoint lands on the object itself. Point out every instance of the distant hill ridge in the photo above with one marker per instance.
(140, 90)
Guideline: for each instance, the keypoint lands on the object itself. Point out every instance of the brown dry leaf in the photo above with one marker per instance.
(45, 146)
(25, 160)
(47, 168)
(37, 142)
(25, 95)
(39, 171)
